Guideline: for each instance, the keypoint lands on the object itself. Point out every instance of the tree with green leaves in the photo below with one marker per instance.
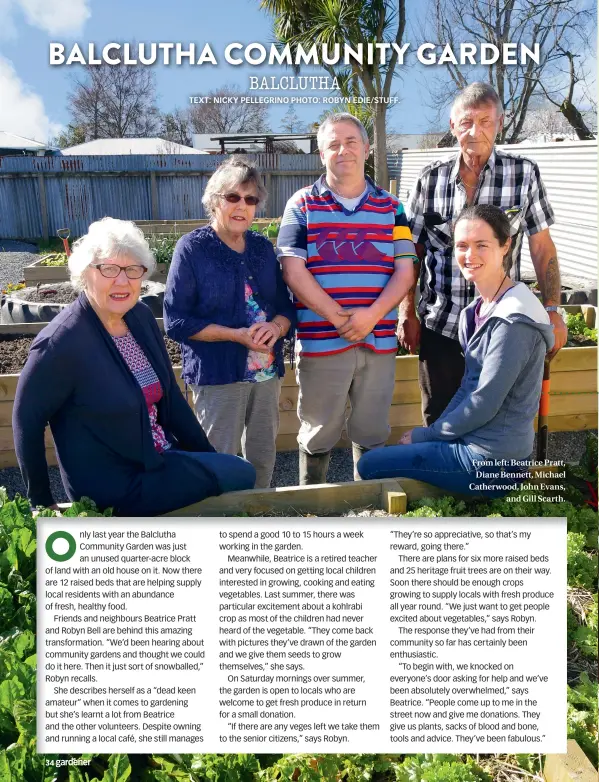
(70, 136)
(175, 127)
(308, 22)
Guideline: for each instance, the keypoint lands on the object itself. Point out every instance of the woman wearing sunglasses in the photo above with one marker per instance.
(227, 304)
(100, 375)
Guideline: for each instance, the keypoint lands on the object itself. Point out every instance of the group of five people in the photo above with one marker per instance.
(348, 255)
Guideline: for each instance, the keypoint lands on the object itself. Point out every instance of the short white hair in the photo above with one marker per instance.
(109, 239)
(339, 116)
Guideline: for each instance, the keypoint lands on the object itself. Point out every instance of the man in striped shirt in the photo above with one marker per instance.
(479, 174)
(348, 258)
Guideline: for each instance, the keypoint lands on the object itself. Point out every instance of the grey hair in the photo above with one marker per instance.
(476, 94)
(339, 116)
(109, 239)
(235, 171)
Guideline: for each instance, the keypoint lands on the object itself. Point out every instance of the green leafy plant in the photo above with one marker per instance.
(435, 768)
(582, 568)
(19, 761)
(225, 768)
(582, 716)
(584, 636)
(163, 246)
(578, 329)
(271, 231)
(18, 758)
(54, 259)
(12, 287)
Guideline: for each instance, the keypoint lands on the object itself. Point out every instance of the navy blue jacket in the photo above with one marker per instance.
(76, 380)
(206, 284)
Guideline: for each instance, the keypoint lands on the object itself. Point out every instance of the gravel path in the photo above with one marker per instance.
(566, 446)
(14, 256)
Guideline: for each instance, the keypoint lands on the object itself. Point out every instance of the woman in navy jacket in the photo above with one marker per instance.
(227, 304)
(100, 375)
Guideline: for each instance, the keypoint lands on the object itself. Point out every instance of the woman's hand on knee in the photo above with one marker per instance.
(406, 438)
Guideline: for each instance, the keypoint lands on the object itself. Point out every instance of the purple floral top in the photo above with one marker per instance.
(260, 366)
(145, 375)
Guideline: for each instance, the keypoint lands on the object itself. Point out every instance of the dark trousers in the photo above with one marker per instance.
(440, 370)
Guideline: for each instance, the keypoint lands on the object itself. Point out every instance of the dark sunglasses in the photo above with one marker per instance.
(112, 270)
(235, 198)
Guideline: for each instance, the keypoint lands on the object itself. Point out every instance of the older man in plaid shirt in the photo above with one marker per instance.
(480, 174)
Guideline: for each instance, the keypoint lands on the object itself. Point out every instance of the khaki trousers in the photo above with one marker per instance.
(327, 383)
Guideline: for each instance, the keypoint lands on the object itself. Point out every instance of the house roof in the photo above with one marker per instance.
(13, 141)
(131, 146)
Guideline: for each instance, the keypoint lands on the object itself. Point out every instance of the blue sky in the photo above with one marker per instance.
(33, 94)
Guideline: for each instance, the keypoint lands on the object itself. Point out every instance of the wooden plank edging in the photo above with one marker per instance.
(574, 766)
(335, 498)
(388, 494)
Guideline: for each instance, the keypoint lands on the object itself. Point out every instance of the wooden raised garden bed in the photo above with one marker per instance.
(36, 274)
(328, 498)
(573, 397)
(574, 766)
(150, 227)
(390, 495)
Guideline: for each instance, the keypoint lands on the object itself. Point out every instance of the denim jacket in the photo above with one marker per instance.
(206, 284)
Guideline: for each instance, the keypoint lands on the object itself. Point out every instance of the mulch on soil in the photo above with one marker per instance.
(13, 353)
(54, 293)
(14, 350)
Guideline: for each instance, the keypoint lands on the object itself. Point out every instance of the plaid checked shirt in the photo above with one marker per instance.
(509, 182)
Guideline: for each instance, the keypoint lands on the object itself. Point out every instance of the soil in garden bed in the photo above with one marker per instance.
(14, 350)
(57, 293)
(579, 341)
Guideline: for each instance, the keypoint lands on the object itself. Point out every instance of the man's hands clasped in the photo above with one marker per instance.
(355, 323)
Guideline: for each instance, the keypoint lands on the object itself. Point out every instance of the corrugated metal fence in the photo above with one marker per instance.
(569, 172)
(38, 195)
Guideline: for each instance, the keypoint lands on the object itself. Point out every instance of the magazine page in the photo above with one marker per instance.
(298, 406)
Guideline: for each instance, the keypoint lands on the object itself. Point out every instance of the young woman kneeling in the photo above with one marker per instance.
(505, 333)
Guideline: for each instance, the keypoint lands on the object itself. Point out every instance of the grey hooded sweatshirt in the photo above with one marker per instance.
(494, 408)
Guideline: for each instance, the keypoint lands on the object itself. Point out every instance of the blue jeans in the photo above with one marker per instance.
(231, 472)
(450, 466)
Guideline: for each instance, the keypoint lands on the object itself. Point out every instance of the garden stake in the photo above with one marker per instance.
(543, 426)
(64, 233)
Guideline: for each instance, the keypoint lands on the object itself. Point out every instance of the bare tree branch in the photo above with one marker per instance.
(556, 26)
(218, 116)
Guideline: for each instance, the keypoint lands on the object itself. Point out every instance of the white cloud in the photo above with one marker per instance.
(23, 111)
(56, 17)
